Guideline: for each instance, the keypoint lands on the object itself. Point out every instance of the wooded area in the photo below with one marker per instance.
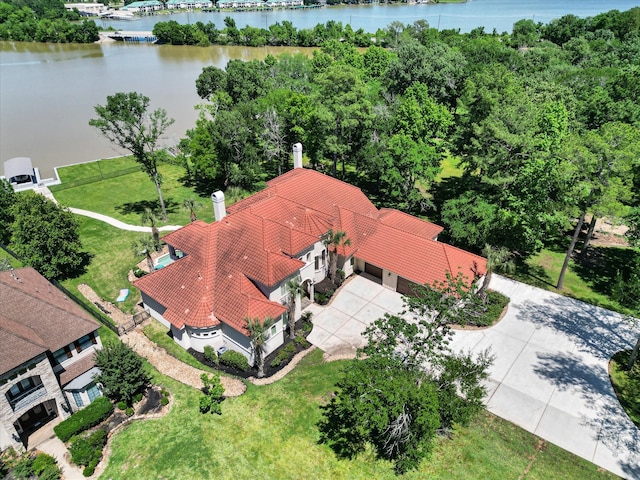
(544, 123)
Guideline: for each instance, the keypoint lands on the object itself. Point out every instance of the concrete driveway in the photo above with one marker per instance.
(550, 372)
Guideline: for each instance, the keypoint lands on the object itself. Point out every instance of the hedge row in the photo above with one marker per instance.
(234, 359)
(83, 419)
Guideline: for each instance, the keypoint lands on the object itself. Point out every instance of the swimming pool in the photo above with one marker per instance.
(163, 261)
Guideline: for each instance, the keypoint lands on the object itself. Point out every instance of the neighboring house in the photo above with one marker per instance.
(47, 344)
(238, 266)
(143, 6)
(189, 4)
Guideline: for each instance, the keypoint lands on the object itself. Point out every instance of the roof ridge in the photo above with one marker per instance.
(25, 292)
(19, 335)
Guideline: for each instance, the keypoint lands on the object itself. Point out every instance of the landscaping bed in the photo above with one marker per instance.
(274, 362)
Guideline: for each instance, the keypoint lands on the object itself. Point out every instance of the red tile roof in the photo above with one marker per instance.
(35, 317)
(257, 242)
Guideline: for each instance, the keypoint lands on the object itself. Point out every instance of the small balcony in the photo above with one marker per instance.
(28, 397)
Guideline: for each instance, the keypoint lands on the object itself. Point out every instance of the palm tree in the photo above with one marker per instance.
(498, 259)
(294, 289)
(150, 218)
(334, 240)
(144, 246)
(191, 205)
(258, 335)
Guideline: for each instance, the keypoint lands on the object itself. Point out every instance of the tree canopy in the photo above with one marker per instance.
(45, 236)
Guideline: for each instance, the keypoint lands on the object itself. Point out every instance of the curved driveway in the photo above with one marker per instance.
(550, 373)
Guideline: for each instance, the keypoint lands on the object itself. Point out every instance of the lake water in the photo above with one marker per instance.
(48, 91)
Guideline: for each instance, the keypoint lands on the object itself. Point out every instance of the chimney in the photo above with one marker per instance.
(297, 155)
(219, 210)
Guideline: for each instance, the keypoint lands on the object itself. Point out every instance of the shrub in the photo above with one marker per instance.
(283, 354)
(139, 272)
(122, 371)
(164, 401)
(213, 394)
(88, 417)
(494, 306)
(165, 393)
(122, 405)
(235, 359)
(91, 468)
(210, 354)
(45, 467)
(88, 449)
(129, 412)
(137, 398)
(300, 340)
(23, 469)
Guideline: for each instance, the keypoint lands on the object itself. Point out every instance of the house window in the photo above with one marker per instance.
(324, 256)
(317, 263)
(78, 399)
(62, 354)
(274, 329)
(352, 261)
(93, 393)
(283, 289)
(84, 343)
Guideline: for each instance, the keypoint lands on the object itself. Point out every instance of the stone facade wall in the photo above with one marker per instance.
(39, 366)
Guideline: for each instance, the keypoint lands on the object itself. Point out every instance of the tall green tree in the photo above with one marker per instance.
(602, 162)
(258, 335)
(145, 245)
(334, 241)
(45, 236)
(7, 199)
(122, 373)
(294, 290)
(149, 218)
(125, 121)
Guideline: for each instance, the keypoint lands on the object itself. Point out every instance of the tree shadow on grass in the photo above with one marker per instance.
(139, 207)
(534, 275)
(601, 265)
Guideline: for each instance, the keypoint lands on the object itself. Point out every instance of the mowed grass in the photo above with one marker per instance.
(626, 384)
(125, 197)
(157, 333)
(270, 432)
(591, 284)
(112, 259)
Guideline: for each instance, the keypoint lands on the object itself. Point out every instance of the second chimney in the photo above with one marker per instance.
(219, 209)
(297, 155)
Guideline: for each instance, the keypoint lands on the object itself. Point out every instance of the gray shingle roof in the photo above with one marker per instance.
(35, 317)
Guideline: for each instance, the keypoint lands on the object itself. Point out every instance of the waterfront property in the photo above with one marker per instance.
(238, 266)
(47, 344)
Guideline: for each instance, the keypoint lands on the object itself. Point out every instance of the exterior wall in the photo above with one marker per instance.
(155, 309)
(40, 366)
(84, 395)
(87, 352)
(234, 340)
(389, 279)
(345, 265)
(200, 337)
(359, 265)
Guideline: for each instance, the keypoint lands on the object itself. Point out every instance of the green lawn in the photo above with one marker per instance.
(270, 432)
(626, 384)
(125, 197)
(111, 262)
(587, 282)
(157, 333)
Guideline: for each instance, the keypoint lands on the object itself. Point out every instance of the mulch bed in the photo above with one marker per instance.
(268, 369)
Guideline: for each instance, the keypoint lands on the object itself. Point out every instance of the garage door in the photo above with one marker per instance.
(404, 286)
(373, 270)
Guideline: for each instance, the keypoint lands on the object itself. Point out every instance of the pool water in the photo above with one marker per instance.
(163, 261)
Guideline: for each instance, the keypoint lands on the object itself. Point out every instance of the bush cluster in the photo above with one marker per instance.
(91, 415)
(284, 354)
(234, 359)
(494, 305)
(87, 450)
(43, 466)
(210, 354)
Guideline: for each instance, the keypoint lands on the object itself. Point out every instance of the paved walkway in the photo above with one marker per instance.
(550, 373)
(104, 218)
